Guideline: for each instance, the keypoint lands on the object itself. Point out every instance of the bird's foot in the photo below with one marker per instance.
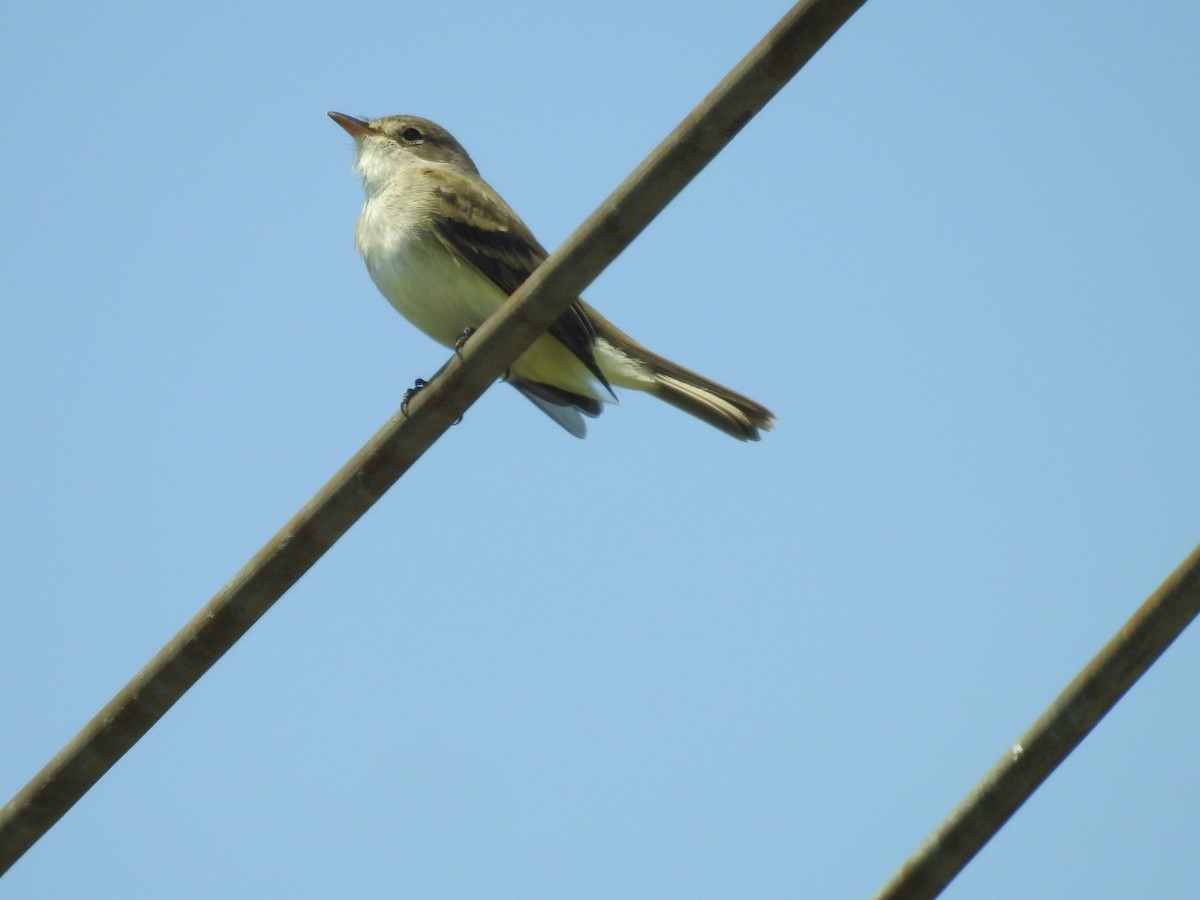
(461, 340)
(410, 393)
(417, 387)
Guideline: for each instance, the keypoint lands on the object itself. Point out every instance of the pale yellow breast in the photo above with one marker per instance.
(435, 290)
(443, 295)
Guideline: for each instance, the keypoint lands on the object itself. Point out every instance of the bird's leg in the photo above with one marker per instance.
(459, 343)
(416, 389)
(412, 392)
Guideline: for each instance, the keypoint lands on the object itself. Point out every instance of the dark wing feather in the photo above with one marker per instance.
(476, 223)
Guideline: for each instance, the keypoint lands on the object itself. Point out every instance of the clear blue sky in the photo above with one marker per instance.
(957, 256)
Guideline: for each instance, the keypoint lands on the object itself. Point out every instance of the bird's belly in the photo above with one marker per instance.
(443, 296)
(434, 290)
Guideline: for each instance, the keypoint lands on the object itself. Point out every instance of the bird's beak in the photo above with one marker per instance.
(355, 126)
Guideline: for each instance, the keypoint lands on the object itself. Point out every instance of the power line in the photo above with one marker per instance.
(1058, 731)
(381, 462)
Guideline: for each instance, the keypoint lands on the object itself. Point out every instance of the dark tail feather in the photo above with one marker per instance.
(710, 402)
(563, 407)
(733, 413)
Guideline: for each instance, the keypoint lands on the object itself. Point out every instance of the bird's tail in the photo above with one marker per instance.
(708, 401)
(735, 414)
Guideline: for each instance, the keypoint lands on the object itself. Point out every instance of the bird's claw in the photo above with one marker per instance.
(410, 393)
(417, 387)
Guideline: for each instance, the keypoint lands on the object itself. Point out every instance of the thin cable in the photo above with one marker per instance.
(1058, 731)
(375, 468)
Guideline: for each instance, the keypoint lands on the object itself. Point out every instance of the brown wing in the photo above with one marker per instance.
(474, 222)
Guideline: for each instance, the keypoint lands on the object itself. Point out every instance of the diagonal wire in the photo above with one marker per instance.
(1058, 731)
(377, 466)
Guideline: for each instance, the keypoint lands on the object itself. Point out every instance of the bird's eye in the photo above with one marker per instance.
(412, 135)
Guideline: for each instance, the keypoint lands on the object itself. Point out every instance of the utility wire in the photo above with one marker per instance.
(378, 465)
(1058, 731)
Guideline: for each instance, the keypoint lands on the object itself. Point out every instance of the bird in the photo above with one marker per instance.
(445, 250)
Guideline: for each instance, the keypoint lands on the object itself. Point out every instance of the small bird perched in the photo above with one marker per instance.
(446, 251)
